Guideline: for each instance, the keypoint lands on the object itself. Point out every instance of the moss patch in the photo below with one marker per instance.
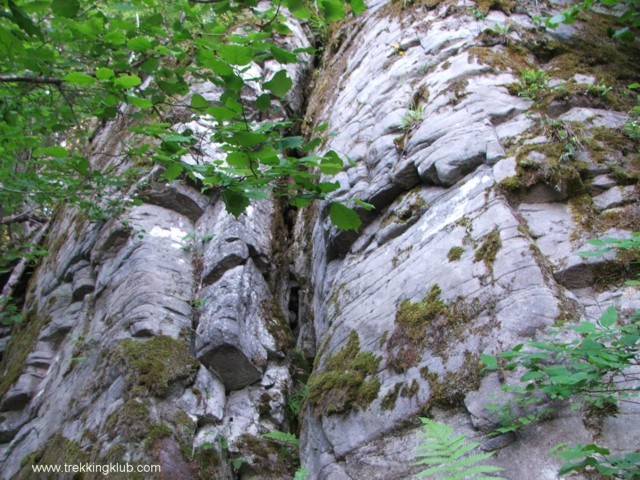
(389, 400)
(431, 324)
(277, 325)
(158, 431)
(58, 451)
(455, 253)
(412, 319)
(505, 6)
(156, 363)
(23, 338)
(411, 390)
(132, 420)
(348, 380)
(449, 390)
(266, 456)
(489, 248)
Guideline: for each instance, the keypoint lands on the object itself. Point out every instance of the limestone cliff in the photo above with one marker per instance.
(178, 335)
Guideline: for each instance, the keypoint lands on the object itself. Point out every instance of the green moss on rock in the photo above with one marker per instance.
(59, 450)
(132, 421)
(455, 253)
(155, 364)
(277, 325)
(23, 338)
(449, 390)
(411, 390)
(412, 319)
(429, 324)
(348, 380)
(489, 248)
(265, 457)
(158, 431)
(389, 400)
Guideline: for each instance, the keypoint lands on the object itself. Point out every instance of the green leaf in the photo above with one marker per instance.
(127, 81)
(357, 6)
(331, 163)
(246, 139)
(198, 102)
(235, 202)
(139, 102)
(280, 84)
(328, 187)
(289, 143)
(365, 205)
(263, 102)
(65, 8)
(343, 217)
(585, 327)
(104, 73)
(283, 56)
(238, 159)
(298, 9)
(78, 78)
(221, 114)
(282, 437)
(332, 10)
(609, 317)
(55, 151)
(235, 54)
(490, 361)
(173, 171)
(116, 37)
(139, 44)
(24, 21)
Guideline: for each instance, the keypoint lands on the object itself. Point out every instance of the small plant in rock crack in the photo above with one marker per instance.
(448, 456)
(533, 84)
(301, 474)
(600, 90)
(412, 118)
(297, 398)
(194, 242)
(477, 14)
(562, 132)
(500, 29)
(632, 126)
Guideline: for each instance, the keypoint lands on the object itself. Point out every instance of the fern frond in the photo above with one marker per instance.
(282, 437)
(448, 457)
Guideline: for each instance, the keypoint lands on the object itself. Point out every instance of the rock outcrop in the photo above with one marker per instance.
(178, 335)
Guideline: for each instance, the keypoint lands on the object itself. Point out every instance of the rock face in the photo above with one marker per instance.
(167, 335)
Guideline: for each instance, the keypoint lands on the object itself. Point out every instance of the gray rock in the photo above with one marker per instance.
(205, 400)
(602, 182)
(83, 283)
(615, 197)
(178, 197)
(595, 117)
(232, 337)
(504, 169)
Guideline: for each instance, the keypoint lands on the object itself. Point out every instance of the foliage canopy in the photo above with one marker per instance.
(70, 67)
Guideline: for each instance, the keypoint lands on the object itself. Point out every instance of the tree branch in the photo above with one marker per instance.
(21, 217)
(29, 79)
